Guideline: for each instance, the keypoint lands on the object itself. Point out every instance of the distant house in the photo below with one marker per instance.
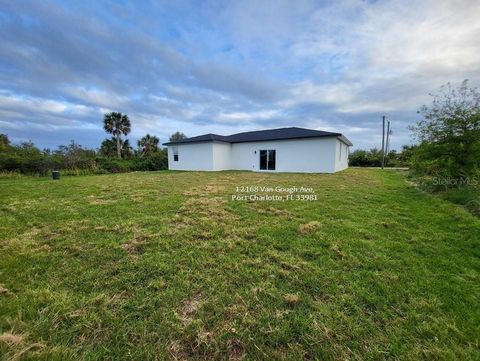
(274, 150)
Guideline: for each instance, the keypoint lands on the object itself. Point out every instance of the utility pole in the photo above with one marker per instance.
(387, 145)
(383, 141)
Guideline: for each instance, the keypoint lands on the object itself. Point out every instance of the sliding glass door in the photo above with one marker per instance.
(267, 159)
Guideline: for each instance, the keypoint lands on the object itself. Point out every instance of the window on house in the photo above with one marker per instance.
(340, 154)
(267, 159)
(175, 154)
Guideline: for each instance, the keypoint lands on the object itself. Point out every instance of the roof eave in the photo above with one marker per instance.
(345, 140)
(338, 135)
(197, 141)
(289, 138)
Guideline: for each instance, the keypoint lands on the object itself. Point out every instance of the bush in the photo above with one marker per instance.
(363, 158)
(151, 162)
(373, 158)
(114, 165)
(24, 158)
(73, 159)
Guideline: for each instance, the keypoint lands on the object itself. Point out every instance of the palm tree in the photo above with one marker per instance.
(108, 148)
(117, 124)
(148, 144)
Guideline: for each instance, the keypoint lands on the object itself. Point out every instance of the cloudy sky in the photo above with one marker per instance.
(224, 67)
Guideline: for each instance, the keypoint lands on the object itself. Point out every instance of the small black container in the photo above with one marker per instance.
(55, 174)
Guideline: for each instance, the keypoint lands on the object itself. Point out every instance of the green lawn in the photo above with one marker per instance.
(164, 265)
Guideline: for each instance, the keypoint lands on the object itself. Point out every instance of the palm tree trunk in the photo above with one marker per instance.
(119, 153)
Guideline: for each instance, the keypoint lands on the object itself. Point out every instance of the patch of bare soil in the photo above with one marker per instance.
(206, 189)
(291, 299)
(236, 350)
(11, 339)
(94, 200)
(337, 250)
(278, 212)
(308, 227)
(189, 308)
(176, 350)
(200, 212)
(17, 345)
(136, 244)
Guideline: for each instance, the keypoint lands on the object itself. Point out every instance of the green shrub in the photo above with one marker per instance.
(73, 159)
(151, 162)
(373, 157)
(364, 158)
(115, 165)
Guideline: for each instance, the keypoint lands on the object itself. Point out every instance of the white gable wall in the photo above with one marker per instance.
(195, 156)
(341, 155)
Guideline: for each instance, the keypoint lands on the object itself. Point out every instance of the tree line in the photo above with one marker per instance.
(447, 139)
(373, 157)
(446, 157)
(114, 155)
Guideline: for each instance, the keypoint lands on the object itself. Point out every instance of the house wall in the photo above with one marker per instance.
(341, 155)
(222, 153)
(292, 155)
(195, 156)
(315, 155)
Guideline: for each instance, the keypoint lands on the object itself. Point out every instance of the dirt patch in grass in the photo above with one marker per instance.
(196, 342)
(17, 346)
(291, 299)
(282, 213)
(279, 212)
(308, 227)
(44, 248)
(338, 251)
(97, 201)
(280, 314)
(202, 215)
(211, 207)
(131, 247)
(206, 189)
(236, 350)
(11, 339)
(136, 244)
(189, 308)
(28, 236)
(176, 351)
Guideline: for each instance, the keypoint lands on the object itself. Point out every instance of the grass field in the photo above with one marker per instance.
(165, 265)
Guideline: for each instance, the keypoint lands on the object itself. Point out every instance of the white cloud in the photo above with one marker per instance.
(416, 46)
(98, 97)
(235, 117)
(47, 113)
(309, 92)
(35, 104)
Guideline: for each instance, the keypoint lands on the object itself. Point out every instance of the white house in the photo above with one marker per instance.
(274, 150)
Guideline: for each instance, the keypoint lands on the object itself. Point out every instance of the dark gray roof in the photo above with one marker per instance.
(261, 135)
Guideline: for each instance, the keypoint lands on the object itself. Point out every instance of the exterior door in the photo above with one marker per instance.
(267, 159)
